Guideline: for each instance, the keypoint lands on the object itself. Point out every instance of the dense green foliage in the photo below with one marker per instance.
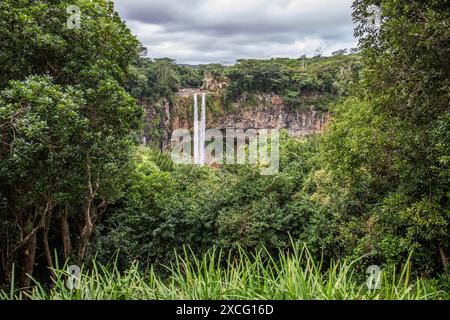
(66, 126)
(385, 156)
(301, 82)
(374, 188)
(291, 276)
(375, 184)
(166, 208)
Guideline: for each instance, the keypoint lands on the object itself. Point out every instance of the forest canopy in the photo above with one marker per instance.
(317, 80)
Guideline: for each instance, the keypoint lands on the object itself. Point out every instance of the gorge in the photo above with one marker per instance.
(266, 111)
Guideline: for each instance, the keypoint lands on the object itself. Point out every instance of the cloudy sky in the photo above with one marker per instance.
(204, 31)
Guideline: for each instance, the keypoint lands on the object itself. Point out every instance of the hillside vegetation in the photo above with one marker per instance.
(301, 82)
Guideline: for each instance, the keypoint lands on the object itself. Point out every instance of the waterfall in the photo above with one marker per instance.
(196, 131)
(199, 130)
(203, 130)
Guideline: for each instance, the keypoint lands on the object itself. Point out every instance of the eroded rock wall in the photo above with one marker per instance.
(265, 111)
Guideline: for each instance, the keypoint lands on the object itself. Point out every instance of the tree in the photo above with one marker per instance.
(38, 122)
(386, 147)
(75, 139)
(212, 84)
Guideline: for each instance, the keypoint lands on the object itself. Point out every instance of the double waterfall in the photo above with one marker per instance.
(199, 131)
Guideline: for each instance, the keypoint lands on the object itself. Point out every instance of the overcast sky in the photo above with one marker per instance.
(204, 31)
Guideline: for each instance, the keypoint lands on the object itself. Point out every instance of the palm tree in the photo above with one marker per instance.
(215, 85)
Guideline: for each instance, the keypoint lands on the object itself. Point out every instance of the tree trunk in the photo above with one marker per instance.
(443, 258)
(28, 245)
(65, 233)
(86, 231)
(92, 212)
(47, 250)
(28, 254)
(84, 240)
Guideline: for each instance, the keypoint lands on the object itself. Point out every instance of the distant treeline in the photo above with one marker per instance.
(317, 80)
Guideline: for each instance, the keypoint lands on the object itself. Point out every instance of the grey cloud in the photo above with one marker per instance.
(201, 31)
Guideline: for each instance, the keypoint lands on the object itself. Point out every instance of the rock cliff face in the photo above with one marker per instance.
(298, 123)
(263, 111)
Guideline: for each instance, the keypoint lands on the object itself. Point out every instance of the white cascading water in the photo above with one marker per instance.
(203, 131)
(199, 131)
(196, 131)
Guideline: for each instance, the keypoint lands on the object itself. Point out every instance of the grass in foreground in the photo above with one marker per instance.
(294, 276)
